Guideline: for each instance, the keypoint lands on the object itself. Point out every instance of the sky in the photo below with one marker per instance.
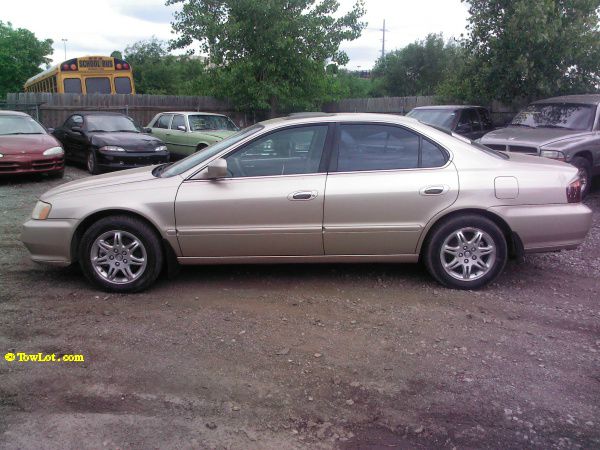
(101, 26)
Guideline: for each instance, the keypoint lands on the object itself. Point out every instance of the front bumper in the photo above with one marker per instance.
(544, 228)
(28, 163)
(49, 241)
(130, 160)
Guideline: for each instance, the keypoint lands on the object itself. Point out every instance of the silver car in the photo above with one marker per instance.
(316, 188)
(563, 128)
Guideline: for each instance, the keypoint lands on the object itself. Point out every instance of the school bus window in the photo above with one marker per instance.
(122, 85)
(97, 85)
(72, 85)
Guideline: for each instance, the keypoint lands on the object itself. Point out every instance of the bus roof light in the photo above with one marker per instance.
(73, 67)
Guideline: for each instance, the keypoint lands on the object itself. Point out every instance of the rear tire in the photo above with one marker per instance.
(121, 254)
(201, 147)
(585, 172)
(466, 252)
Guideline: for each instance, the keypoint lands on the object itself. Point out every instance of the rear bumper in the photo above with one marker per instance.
(49, 241)
(27, 163)
(544, 228)
(130, 160)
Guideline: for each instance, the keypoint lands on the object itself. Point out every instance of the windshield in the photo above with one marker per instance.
(110, 123)
(201, 122)
(440, 117)
(19, 125)
(207, 153)
(556, 115)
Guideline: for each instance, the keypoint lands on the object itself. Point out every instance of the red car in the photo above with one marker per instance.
(26, 147)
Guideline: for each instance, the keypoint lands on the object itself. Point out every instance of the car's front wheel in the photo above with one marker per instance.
(92, 162)
(121, 254)
(585, 173)
(466, 252)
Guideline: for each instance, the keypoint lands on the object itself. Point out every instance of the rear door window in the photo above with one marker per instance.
(72, 85)
(163, 121)
(97, 85)
(367, 147)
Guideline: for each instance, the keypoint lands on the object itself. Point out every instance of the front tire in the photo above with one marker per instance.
(585, 173)
(92, 162)
(466, 252)
(121, 254)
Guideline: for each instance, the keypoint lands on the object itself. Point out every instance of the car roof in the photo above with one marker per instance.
(192, 112)
(98, 113)
(13, 113)
(585, 99)
(448, 107)
(310, 118)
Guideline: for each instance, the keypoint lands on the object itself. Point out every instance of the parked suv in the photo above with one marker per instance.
(469, 121)
(564, 128)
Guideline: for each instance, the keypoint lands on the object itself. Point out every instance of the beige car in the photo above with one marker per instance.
(316, 188)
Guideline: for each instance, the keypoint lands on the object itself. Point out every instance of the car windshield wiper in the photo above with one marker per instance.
(18, 132)
(126, 131)
(97, 131)
(548, 125)
(520, 125)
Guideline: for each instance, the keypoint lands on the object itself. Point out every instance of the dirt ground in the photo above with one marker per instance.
(299, 356)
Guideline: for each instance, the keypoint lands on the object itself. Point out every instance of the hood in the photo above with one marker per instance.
(532, 137)
(26, 143)
(219, 134)
(131, 142)
(100, 181)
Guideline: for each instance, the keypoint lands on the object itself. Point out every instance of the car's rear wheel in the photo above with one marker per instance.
(121, 254)
(584, 168)
(92, 162)
(466, 252)
(200, 147)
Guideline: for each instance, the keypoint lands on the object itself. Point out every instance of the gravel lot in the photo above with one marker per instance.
(299, 356)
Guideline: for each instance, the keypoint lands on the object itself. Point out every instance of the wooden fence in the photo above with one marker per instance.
(385, 105)
(53, 109)
(501, 113)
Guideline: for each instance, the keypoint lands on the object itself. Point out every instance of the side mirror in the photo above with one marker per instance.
(50, 130)
(181, 128)
(76, 129)
(147, 130)
(217, 169)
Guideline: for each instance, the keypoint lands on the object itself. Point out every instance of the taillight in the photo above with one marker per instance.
(574, 191)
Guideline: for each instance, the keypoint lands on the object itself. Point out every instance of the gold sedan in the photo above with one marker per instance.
(316, 188)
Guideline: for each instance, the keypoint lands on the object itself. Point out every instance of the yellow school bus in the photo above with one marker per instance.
(85, 75)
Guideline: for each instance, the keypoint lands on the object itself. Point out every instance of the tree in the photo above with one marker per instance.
(529, 49)
(417, 69)
(21, 55)
(116, 54)
(268, 54)
(156, 71)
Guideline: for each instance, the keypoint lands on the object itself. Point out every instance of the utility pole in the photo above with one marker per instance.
(65, 44)
(383, 30)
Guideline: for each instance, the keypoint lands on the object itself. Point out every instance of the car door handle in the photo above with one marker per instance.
(434, 190)
(303, 195)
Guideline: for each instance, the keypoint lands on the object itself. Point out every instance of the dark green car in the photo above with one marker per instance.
(186, 132)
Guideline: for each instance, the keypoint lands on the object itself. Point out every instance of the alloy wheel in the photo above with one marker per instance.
(118, 256)
(468, 254)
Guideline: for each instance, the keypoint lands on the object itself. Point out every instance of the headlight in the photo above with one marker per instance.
(111, 148)
(161, 148)
(1, 155)
(54, 151)
(553, 154)
(41, 210)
